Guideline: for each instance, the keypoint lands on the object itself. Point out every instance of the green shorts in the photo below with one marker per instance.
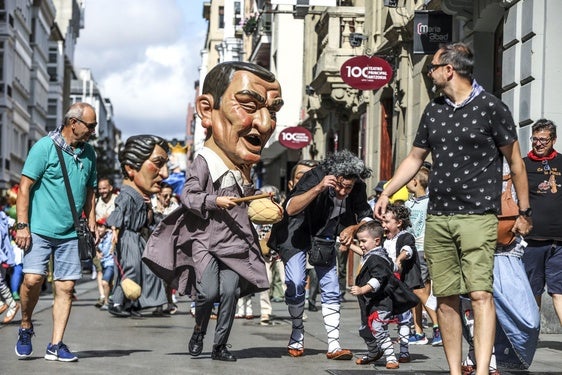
(459, 250)
(97, 263)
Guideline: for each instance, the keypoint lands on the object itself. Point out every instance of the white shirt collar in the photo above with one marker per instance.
(217, 167)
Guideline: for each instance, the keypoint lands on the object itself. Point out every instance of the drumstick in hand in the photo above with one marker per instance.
(252, 197)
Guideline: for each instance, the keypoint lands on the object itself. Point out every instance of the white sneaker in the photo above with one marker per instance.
(11, 314)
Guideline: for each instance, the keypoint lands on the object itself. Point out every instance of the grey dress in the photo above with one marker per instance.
(130, 216)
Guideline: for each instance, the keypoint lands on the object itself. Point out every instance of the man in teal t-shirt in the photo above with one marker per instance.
(45, 223)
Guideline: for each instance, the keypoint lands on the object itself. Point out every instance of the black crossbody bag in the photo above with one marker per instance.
(322, 250)
(86, 242)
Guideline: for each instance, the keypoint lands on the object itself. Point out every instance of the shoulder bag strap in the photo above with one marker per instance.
(67, 185)
(325, 225)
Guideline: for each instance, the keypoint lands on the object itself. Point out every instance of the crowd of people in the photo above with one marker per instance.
(427, 239)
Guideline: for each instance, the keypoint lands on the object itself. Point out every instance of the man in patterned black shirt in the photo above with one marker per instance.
(467, 130)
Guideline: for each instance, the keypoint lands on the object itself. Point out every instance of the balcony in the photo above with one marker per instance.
(333, 32)
(261, 41)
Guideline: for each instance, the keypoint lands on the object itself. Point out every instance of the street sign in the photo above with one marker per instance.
(295, 137)
(366, 72)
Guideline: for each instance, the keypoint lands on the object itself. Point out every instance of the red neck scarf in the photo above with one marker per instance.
(534, 157)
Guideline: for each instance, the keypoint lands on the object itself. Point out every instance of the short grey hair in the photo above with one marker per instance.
(460, 57)
(345, 164)
(76, 110)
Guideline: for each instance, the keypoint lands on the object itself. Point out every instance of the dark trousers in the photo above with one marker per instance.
(218, 284)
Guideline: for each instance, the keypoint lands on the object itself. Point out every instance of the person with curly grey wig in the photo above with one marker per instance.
(144, 165)
(347, 165)
(329, 201)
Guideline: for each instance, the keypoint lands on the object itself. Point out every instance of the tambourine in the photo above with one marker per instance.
(262, 209)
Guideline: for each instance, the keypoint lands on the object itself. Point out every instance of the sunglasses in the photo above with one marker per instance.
(431, 67)
(91, 126)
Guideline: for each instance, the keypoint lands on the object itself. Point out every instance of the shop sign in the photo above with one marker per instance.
(366, 72)
(431, 29)
(295, 137)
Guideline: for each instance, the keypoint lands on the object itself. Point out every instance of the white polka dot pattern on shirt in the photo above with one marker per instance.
(465, 141)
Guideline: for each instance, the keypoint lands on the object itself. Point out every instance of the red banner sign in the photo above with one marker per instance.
(366, 73)
(295, 137)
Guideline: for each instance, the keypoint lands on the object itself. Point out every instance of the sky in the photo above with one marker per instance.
(144, 56)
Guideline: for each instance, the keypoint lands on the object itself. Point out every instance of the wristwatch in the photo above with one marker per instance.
(527, 213)
(20, 226)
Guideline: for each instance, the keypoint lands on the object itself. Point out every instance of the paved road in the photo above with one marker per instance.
(152, 345)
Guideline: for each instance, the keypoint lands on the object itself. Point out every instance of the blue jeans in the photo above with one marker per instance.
(66, 260)
(295, 279)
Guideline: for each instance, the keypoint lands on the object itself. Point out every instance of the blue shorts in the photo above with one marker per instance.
(543, 264)
(108, 272)
(66, 259)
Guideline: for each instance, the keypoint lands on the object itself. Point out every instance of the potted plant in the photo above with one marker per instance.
(250, 24)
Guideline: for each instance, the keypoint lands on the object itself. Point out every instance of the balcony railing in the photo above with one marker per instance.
(261, 40)
(334, 48)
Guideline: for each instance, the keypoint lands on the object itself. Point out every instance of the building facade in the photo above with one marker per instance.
(25, 31)
(38, 81)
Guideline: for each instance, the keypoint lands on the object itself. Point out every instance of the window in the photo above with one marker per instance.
(52, 71)
(53, 54)
(221, 17)
(237, 14)
(2, 11)
(52, 107)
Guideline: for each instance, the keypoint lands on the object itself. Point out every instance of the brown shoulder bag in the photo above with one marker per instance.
(508, 215)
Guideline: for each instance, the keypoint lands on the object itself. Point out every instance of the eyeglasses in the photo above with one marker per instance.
(431, 67)
(542, 141)
(91, 126)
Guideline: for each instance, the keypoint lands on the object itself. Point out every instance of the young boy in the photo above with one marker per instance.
(105, 254)
(418, 213)
(401, 248)
(376, 306)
